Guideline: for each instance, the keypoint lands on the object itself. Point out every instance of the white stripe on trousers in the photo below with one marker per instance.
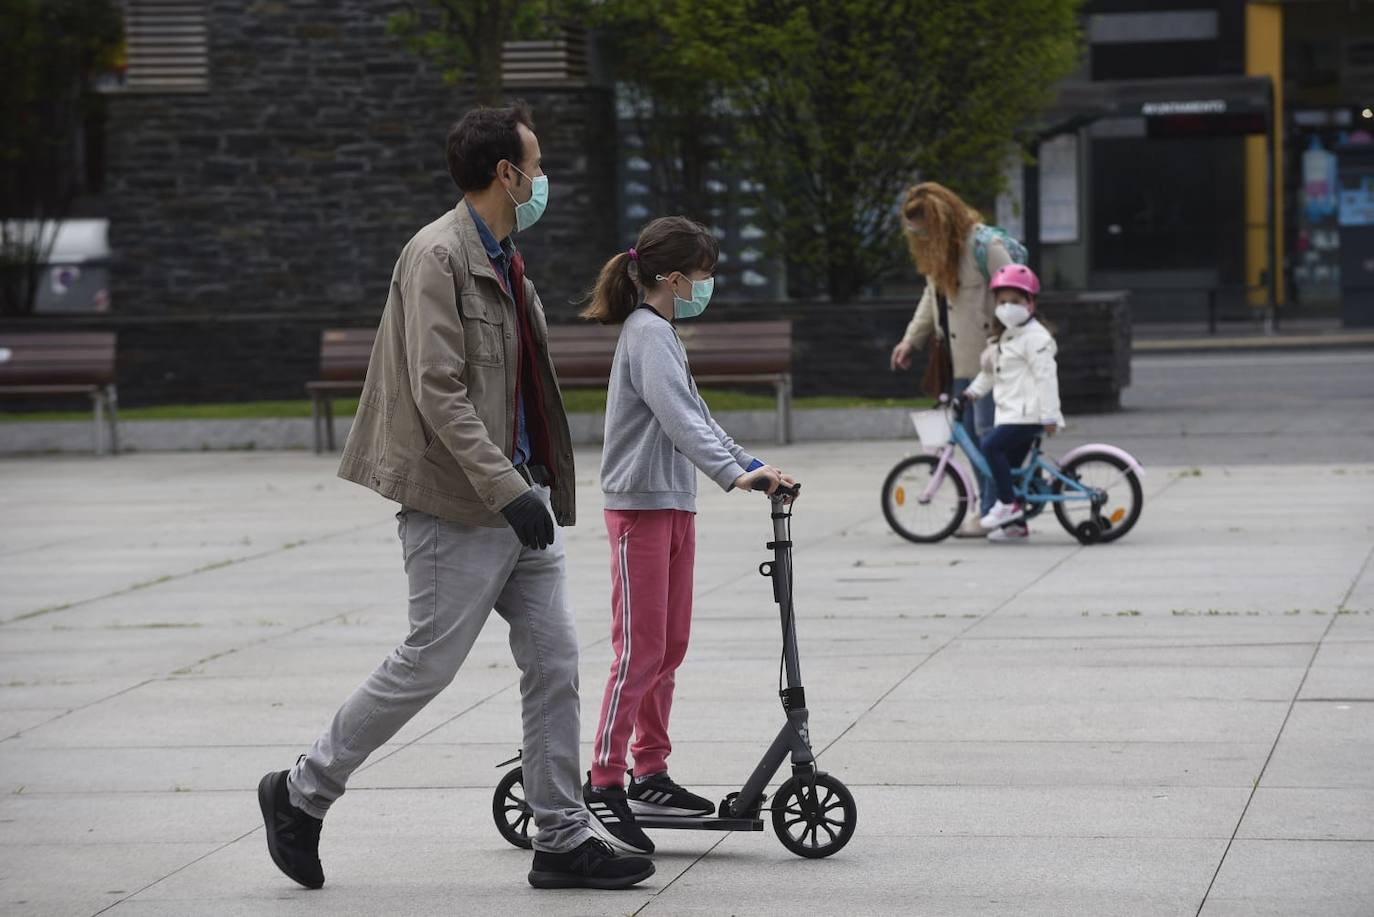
(604, 756)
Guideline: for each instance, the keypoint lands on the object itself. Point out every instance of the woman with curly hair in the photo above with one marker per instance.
(957, 253)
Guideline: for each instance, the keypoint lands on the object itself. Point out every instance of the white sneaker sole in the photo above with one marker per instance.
(650, 808)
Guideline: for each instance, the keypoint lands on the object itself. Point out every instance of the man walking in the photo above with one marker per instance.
(461, 422)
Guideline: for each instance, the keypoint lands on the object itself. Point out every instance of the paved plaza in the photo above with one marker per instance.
(1181, 723)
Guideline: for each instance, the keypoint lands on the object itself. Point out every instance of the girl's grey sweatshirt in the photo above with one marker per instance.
(657, 426)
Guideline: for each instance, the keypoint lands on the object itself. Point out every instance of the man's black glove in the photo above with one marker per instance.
(532, 523)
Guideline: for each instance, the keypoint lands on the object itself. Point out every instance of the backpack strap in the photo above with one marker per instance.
(980, 250)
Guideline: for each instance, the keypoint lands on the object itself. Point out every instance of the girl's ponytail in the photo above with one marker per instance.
(615, 295)
(667, 244)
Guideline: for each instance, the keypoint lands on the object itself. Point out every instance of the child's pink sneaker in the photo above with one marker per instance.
(1016, 533)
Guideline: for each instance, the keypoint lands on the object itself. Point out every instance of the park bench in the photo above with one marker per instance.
(728, 353)
(65, 363)
(735, 353)
(344, 353)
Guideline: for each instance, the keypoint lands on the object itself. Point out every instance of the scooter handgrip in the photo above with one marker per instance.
(783, 490)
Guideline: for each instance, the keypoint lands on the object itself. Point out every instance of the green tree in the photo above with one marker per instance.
(466, 39)
(51, 52)
(839, 104)
(675, 102)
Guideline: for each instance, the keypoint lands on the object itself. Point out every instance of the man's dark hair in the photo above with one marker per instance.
(482, 138)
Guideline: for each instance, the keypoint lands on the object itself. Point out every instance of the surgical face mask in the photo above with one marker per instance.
(701, 295)
(528, 213)
(1012, 314)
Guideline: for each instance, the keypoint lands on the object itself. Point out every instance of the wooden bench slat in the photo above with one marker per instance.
(64, 363)
(57, 358)
(49, 389)
(582, 354)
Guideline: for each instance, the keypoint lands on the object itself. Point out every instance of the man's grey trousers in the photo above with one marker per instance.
(458, 573)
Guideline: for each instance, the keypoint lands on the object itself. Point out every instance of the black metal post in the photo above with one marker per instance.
(1271, 212)
(1030, 205)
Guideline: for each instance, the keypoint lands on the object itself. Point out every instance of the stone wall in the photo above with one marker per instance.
(247, 219)
(291, 185)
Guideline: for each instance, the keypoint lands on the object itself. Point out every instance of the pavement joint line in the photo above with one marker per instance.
(820, 539)
(72, 710)
(182, 868)
(654, 897)
(1052, 568)
(1055, 566)
(187, 574)
(1316, 648)
(486, 787)
(173, 676)
(253, 830)
(14, 552)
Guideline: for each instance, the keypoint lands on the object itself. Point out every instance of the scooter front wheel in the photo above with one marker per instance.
(814, 816)
(510, 809)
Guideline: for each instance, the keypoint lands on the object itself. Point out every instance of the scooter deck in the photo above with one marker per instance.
(688, 822)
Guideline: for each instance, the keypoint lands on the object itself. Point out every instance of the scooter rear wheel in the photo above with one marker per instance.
(814, 816)
(511, 811)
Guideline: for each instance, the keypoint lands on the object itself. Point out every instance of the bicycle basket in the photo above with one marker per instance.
(932, 427)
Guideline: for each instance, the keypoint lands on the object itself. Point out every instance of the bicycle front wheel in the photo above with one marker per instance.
(1115, 480)
(931, 519)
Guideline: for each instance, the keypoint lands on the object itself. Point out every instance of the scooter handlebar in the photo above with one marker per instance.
(783, 490)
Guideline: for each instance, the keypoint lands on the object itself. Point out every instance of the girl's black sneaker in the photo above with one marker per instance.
(659, 795)
(613, 820)
(591, 864)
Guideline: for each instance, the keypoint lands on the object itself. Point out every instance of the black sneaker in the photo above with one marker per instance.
(659, 795)
(591, 864)
(293, 837)
(613, 820)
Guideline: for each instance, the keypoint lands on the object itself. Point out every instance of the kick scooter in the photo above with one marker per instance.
(813, 813)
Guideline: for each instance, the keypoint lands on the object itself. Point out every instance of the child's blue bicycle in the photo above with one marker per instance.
(1094, 489)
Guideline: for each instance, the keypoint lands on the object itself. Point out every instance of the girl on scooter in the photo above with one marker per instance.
(1019, 368)
(659, 433)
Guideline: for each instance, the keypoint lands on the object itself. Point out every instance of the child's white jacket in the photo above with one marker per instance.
(1020, 370)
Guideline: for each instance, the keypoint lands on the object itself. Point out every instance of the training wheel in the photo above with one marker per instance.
(510, 810)
(1088, 532)
(814, 816)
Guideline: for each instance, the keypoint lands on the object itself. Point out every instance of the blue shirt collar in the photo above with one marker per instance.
(495, 250)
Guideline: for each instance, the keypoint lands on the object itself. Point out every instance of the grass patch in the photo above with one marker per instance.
(577, 401)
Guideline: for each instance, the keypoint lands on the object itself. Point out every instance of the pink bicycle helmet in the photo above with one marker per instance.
(1016, 277)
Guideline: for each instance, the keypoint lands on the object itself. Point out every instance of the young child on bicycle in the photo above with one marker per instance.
(1019, 368)
(659, 432)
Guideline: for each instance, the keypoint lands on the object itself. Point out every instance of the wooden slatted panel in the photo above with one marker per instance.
(62, 358)
(344, 353)
(733, 348)
(168, 46)
(560, 61)
(585, 351)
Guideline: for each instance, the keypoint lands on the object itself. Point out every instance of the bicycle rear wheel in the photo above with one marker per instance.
(1118, 483)
(932, 520)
